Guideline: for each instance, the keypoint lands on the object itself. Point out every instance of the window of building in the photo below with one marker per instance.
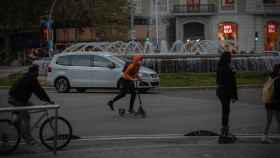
(162, 5)
(228, 4)
(271, 1)
(139, 6)
(193, 5)
(80, 60)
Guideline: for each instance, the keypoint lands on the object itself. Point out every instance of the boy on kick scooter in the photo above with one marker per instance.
(130, 74)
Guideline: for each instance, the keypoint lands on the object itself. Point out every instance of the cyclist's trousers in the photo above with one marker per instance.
(21, 118)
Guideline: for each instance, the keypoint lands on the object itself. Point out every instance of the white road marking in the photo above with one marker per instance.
(161, 136)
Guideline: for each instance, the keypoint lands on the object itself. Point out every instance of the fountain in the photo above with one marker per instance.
(194, 55)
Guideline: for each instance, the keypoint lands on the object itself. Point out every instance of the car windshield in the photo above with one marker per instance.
(117, 60)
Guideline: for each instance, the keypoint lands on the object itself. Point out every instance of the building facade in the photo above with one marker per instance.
(251, 25)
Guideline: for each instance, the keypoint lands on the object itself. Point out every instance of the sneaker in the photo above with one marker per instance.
(111, 105)
(266, 140)
(31, 141)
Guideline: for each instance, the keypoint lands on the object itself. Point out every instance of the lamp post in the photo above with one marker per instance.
(156, 16)
(132, 6)
(50, 41)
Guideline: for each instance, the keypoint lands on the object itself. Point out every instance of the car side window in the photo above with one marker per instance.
(63, 60)
(80, 60)
(101, 61)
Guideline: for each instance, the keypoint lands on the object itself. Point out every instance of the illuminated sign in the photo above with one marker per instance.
(271, 28)
(228, 29)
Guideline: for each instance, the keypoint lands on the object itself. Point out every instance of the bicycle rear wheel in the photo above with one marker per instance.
(9, 137)
(47, 133)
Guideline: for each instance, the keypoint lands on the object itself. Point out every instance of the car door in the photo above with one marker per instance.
(104, 74)
(80, 73)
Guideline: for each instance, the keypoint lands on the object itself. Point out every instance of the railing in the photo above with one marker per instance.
(200, 8)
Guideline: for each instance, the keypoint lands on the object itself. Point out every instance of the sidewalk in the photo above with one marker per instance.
(5, 71)
(180, 147)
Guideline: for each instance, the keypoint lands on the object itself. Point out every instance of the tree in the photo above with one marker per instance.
(104, 15)
(109, 17)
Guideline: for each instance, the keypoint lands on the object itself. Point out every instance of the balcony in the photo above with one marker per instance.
(268, 8)
(200, 9)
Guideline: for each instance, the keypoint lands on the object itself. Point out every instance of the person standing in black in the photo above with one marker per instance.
(226, 92)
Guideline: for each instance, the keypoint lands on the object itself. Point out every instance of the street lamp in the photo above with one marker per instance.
(50, 42)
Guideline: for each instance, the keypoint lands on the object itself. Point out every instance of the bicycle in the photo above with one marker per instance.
(10, 134)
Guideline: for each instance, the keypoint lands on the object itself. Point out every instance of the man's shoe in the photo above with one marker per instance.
(266, 140)
(131, 111)
(111, 105)
(31, 141)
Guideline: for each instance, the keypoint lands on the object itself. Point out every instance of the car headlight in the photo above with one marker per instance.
(154, 75)
(144, 75)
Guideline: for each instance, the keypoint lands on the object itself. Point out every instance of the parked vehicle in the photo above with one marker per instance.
(43, 65)
(83, 70)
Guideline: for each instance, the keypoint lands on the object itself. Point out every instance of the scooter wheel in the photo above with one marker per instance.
(121, 112)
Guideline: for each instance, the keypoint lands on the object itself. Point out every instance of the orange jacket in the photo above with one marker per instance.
(131, 71)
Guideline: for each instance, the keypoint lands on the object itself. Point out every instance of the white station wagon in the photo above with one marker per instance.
(84, 70)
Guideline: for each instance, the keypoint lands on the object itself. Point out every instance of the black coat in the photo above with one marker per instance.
(276, 95)
(25, 86)
(226, 82)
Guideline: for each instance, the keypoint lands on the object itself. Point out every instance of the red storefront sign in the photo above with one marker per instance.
(228, 29)
(272, 28)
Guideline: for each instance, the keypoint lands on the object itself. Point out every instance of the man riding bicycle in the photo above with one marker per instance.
(20, 94)
(130, 74)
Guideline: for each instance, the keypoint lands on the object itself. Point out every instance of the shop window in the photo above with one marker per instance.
(272, 36)
(227, 35)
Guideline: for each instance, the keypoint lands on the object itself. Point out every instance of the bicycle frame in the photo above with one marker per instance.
(36, 124)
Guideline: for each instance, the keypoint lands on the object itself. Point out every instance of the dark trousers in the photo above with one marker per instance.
(21, 118)
(126, 87)
(225, 101)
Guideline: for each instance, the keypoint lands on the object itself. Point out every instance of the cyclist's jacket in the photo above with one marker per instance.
(25, 86)
(131, 71)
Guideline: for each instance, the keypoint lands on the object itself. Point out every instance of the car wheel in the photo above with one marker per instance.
(62, 85)
(81, 90)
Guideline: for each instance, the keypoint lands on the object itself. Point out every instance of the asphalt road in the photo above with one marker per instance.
(170, 112)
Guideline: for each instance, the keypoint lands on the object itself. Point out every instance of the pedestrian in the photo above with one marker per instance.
(226, 92)
(19, 95)
(129, 76)
(273, 106)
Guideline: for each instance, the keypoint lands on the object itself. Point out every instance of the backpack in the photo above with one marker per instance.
(126, 65)
(267, 91)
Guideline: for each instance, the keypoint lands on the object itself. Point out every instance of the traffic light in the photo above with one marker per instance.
(256, 36)
(147, 39)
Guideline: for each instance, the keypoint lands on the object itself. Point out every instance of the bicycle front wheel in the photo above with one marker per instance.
(47, 133)
(9, 137)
